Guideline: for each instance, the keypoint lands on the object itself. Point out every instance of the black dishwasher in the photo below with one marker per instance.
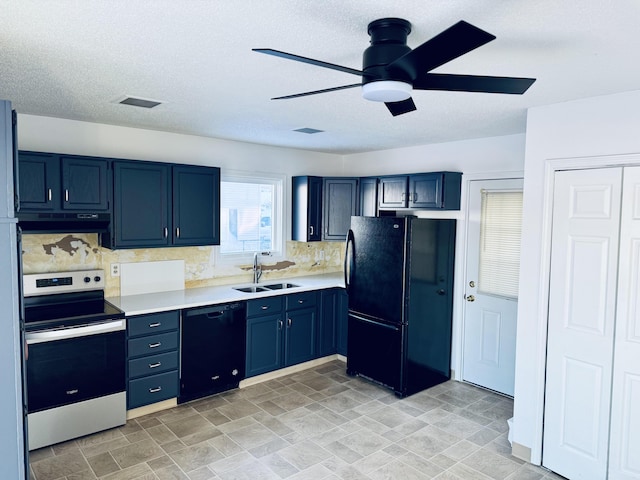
(213, 350)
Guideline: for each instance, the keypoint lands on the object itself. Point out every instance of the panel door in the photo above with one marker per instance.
(141, 204)
(300, 336)
(582, 302)
(489, 338)
(39, 181)
(392, 192)
(196, 205)
(425, 191)
(84, 184)
(315, 209)
(340, 203)
(624, 456)
(327, 334)
(368, 197)
(264, 344)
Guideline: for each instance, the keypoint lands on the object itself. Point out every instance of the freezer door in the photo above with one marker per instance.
(376, 274)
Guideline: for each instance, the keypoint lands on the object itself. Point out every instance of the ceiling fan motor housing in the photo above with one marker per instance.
(388, 43)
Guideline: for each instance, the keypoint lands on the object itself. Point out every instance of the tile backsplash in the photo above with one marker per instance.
(63, 251)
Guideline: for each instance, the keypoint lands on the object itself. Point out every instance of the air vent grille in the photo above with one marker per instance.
(308, 130)
(140, 102)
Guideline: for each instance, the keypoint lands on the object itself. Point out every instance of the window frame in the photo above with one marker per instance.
(278, 215)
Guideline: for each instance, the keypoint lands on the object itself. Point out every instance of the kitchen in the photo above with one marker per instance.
(602, 126)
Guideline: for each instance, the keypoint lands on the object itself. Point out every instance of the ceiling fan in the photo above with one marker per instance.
(391, 70)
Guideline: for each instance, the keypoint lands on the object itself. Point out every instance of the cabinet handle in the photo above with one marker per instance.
(177, 232)
(414, 196)
(155, 365)
(404, 196)
(49, 194)
(310, 229)
(154, 325)
(66, 195)
(289, 322)
(155, 390)
(279, 324)
(215, 377)
(300, 302)
(264, 307)
(155, 345)
(166, 232)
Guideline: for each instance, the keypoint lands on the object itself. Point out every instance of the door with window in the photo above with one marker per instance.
(491, 290)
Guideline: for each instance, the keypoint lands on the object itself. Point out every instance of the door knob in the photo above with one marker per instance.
(471, 298)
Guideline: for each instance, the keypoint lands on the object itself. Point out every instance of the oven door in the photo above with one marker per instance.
(71, 365)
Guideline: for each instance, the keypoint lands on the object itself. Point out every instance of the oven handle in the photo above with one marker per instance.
(86, 330)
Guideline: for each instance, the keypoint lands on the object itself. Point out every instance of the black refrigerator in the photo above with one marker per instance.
(399, 279)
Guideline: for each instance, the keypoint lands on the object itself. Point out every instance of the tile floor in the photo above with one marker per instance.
(315, 424)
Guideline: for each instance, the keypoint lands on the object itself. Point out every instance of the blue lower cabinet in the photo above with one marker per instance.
(281, 331)
(332, 322)
(152, 358)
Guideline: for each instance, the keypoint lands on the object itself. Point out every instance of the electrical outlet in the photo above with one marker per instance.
(321, 255)
(115, 269)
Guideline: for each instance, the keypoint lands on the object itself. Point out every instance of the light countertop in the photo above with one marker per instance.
(198, 297)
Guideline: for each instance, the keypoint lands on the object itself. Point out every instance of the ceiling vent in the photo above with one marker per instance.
(140, 102)
(308, 130)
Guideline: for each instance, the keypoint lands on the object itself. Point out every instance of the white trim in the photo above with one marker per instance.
(552, 165)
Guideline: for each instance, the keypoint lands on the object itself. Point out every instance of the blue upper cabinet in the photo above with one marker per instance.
(51, 182)
(340, 202)
(306, 218)
(158, 205)
(431, 191)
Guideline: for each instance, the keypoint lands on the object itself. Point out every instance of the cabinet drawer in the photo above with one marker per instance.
(262, 306)
(153, 323)
(152, 389)
(153, 364)
(301, 300)
(153, 344)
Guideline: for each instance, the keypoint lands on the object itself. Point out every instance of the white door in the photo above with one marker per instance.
(491, 291)
(581, 318)
(624, 456)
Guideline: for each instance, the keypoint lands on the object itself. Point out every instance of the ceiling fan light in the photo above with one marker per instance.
(387, 91)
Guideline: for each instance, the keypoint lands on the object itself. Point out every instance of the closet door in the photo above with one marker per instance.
(582, 303)
(624, 457)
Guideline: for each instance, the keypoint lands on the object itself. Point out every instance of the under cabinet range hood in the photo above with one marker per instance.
(62, 222)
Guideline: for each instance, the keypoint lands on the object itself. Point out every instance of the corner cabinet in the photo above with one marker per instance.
(332, 323)
(306, 221)
(55, 183)
(435, 191)
(339, 203)
(160, 205)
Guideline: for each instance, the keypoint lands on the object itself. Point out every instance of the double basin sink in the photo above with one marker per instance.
(269, 287)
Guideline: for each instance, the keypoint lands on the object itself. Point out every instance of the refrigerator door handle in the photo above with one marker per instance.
(348, 260)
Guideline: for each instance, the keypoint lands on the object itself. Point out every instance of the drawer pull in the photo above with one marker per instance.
(215, 377)
(264, 307)
(301, 301)
(155, 365)
(154, 325)
(155, 390)
(155, 345)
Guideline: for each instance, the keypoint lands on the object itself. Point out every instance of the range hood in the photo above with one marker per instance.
(44, 222)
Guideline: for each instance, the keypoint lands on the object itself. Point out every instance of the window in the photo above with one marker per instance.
(250, 215)
(500, 231)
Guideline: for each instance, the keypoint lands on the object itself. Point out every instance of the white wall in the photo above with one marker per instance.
(580, 132)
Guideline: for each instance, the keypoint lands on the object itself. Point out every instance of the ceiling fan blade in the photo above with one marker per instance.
(473, 83)
(324, 90)
(404, 106)
(455, 41)
(311, 61)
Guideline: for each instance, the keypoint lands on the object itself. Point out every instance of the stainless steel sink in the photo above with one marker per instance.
(251, 289)
(280, 286)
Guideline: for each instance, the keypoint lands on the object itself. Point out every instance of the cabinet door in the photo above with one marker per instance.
(196, 205)
(84, 184)
(392, 192)
(306, 208)
(300, 336)
(264, 344)
(340, 201)
(342, 312)
(327, 331)
(368, 197)
(141, 210)
(39, 181)
(425, 191)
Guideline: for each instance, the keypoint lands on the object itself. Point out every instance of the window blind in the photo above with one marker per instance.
(500, 231)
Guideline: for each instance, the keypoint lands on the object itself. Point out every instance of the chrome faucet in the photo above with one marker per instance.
(257, 269)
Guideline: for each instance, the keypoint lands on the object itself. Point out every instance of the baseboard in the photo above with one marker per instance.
(247, 382)
(521, 452)
(153, 408)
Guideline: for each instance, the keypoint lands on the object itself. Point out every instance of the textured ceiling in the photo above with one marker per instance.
(75, 59)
